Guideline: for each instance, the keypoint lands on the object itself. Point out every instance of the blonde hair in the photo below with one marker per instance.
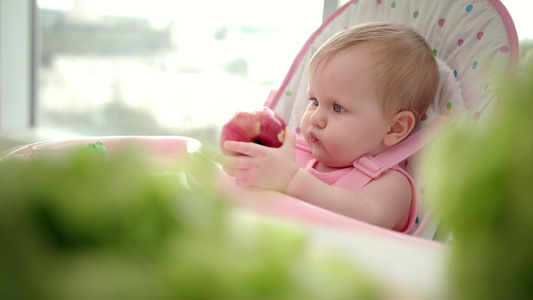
(405, 65)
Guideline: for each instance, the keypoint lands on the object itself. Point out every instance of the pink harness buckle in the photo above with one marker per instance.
(370, 166)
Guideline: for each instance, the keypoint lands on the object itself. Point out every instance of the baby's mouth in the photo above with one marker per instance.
(312, 137)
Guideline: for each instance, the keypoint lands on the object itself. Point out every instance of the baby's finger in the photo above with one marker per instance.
(243, 181)
(290, 139)
(232, 171)
(239, 162)
(231, 168)
(249, 149)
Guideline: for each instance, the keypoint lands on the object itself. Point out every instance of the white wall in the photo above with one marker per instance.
(15, 64)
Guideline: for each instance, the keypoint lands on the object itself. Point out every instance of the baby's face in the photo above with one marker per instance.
(344, 119)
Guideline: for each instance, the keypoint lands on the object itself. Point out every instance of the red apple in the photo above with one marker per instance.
(264, 127)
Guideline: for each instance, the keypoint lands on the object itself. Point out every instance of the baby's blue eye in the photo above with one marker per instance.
(338, 108)
(315, 102)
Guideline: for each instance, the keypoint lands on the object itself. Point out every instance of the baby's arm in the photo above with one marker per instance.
(383, 202)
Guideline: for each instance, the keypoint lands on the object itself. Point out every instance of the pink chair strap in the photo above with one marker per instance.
(369, 167)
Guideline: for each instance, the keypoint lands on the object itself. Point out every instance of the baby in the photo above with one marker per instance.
(368, 87)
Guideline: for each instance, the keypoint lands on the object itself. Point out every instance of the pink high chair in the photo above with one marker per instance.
(475, 44)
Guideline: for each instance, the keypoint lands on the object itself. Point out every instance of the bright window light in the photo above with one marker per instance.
(111, 67)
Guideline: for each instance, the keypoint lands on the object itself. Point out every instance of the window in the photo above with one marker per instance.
(163, 66)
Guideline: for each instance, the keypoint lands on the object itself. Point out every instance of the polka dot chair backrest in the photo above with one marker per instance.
(474, 41)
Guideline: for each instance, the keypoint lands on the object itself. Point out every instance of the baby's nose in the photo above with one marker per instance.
(318, 119)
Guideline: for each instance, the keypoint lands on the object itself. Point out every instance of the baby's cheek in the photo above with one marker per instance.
(344, 147)
(304, 123)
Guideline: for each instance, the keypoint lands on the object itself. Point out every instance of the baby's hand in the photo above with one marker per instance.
(260, 166)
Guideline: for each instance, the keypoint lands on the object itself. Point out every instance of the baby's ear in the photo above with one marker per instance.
(402, 124)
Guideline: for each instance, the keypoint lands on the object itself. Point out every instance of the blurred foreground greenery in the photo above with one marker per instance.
(85, 228)
(482, 181)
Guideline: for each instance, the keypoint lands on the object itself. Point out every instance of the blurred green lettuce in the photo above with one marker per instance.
(85, 228)
(482, 182)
